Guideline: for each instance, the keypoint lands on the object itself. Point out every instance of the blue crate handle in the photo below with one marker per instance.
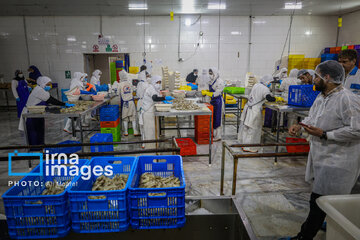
(97, 200)
(33, 205)
(162, 196)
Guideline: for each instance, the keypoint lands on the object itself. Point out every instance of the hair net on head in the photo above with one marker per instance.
(78, 75)
(215, 73)
(97, 73)
(266, 79)
(293, 73)
(195, 70)
(155, 79)
(42, 81)
(302, 72)
(334, 69)
(283, 70)
(123, 76)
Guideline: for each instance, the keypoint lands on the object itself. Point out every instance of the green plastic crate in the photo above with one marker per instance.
(116, 132)
(234, 90)
(112, 72)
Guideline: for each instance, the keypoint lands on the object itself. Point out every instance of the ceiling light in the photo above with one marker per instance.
(217, 6)
(293, 5)
(142, 23)
(71, 39)
(187, 6)
(235, 33)
(188, 22)
(308, 32)
(138, 6)
(259, 22)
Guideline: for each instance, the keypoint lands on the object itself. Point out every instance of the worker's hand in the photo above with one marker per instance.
(166, 102)
(279, 99)
(68, 105)
(294, 129)
(18, 99)
(169, 98)
(318, 132)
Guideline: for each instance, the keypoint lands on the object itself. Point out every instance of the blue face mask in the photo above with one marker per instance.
(47, 88)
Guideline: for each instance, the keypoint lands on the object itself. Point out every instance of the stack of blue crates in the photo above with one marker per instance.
(109, 113)
(109, 121)
(101, 138)
(329, 56)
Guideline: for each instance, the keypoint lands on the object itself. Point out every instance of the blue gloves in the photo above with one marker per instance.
(193, 86)
(166, 102)
(86, 92)
(169, 98)
(18, 99)
(69, 105)
(29, 88)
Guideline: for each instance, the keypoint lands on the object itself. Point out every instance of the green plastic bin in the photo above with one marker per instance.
(234, 90)
(116, 132)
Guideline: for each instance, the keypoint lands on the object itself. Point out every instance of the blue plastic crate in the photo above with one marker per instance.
(100, 138)
(157, 212)
(302, 95)
(109, 113)
(101, 215)
(31, 215)
(329, 56)
(65, 149)
(63, 96)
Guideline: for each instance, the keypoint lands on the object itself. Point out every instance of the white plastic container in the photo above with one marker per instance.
(160, 107)
(343, 216)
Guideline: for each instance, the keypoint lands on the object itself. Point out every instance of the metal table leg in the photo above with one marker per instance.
(222, 170)
(73, 126)
(239, 102)
(277, 133)
(178, 126)
(81, 133)
(26, 137)
(210, 140)
(234, 176)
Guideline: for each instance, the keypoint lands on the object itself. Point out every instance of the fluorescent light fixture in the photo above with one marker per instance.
(83, 46)
(83, 42)
(188, 22)
(235, 33)
(138, 6)
(142, 23)
(187, 6)
(149, 41)
(308, 32)
(259, 22)
(293, 5)
(216, 5)
(71, 39)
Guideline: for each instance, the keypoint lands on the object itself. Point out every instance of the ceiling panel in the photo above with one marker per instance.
(163, 7)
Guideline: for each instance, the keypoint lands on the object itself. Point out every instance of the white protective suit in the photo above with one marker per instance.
(95, 78)
(218, 85)
(287, 82)
(128, 110)
(251, 117)
(148, 109)
(352, 81)
(77, 81)
(140, 90)
(333, 164)
(37, 95)
(282, 73)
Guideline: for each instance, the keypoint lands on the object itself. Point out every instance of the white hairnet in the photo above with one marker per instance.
(283, 70)
(293, 73)
(123, 76)
(78, 75)
(155, 79)
(302, 72)
(266, 79)
(42, 81)
(97, 73)
(334, 69)
(142, 76)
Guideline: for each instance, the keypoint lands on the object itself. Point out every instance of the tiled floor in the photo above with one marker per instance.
(274, 197)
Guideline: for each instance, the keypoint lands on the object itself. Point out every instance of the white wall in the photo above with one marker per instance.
(51, 51)
(349, 32)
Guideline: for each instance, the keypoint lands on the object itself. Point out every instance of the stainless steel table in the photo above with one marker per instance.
(177, 113)
(282, 109)
(74, 115)
(237, 111)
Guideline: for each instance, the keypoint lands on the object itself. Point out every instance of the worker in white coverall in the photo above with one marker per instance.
(203, 82)
(288, 81)
(151, 95)
(348, 58)
(282, 73)
(306, 76)
(216, 87)
(95, 78)
(140, 90)
(78, 81)
(128, 110)
(251, 117)
(334, 125)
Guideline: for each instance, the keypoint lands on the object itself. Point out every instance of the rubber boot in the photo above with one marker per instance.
(67, 127)
(217, 134)
(125, 128)
(134, 125)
